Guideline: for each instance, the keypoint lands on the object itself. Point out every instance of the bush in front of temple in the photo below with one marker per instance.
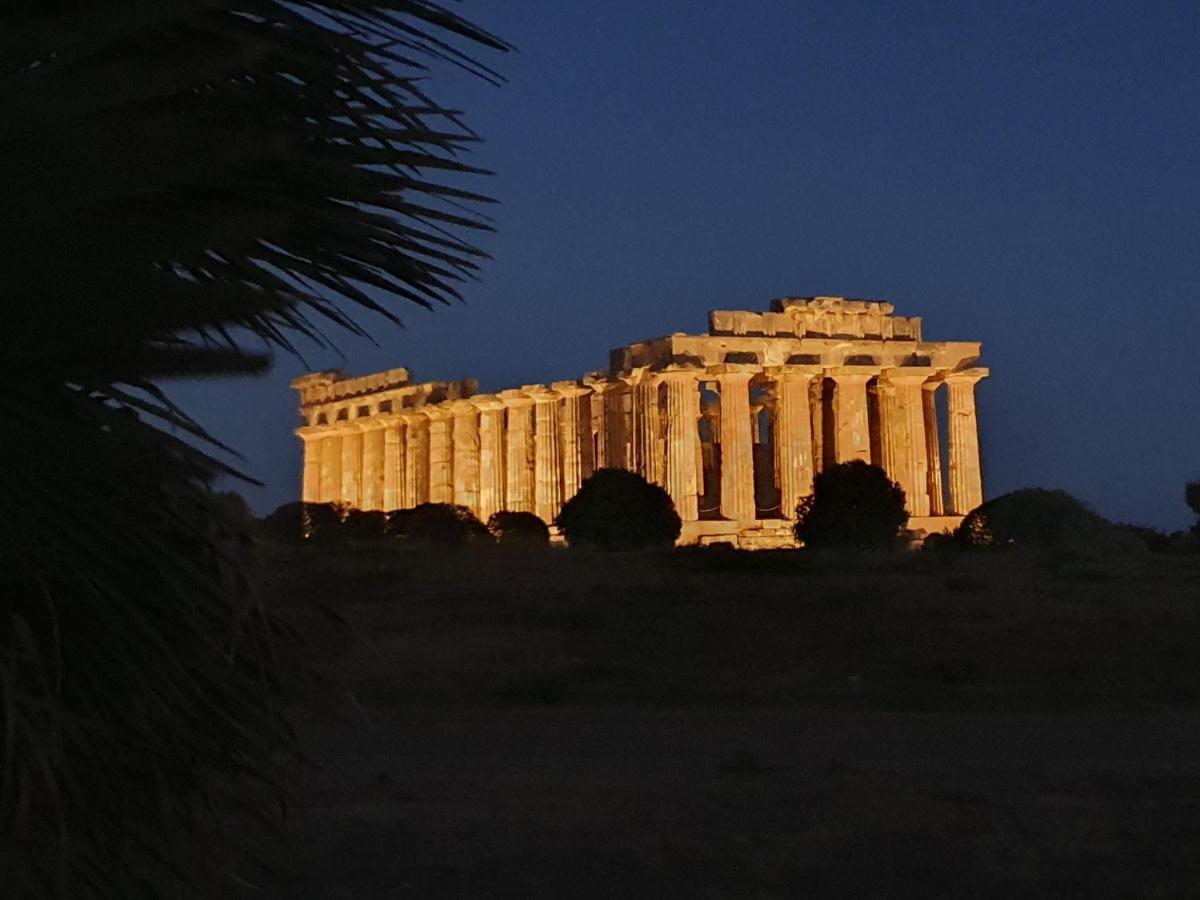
(619, 510)
(303, 521)
(524, 529)
(853, 505)
(436, 523)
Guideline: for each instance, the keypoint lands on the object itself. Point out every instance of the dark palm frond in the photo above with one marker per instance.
(176, 176)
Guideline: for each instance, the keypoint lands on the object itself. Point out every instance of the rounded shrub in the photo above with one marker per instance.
(518, 529)
(853, 505)
(364, 525)
(616, 509)
(303, 521)
(1035, 519)
(436, 523)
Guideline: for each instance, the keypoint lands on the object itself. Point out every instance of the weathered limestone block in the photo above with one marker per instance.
(331, 468)
(794, 464)
(853, 435)
(492, 451)
(466, 455)
(547, 461)
(393, 465)
(966, 480)
(416, 459)
(737, 450)
(576, 438)
(683, 439)
(441, 454)
(373, 466)
(352, 456)
(311, 486)
(519, 468)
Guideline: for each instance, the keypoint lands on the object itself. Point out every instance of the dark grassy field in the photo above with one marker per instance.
(720, 724)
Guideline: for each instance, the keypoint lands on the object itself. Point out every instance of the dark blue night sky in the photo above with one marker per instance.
(1023, 175)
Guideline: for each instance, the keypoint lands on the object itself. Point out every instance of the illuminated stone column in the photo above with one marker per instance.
(491, 454)
(518, 459)
(310, 488)
(466, 455)
(441, 454)
(737, 451)
(575, 439)
(393, 465)
(547, 461)
(613, 450)
(794, 465)
(683, 439)
(373, 465)
(933, 448)
(902, 433)
(416, 459)
(599, 401)
(648, 456)
(352, 456)
(966, 477)
(853, 440)
(331, 468)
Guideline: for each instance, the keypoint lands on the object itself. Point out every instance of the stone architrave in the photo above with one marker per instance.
(933, 448)
(519, 474)
(547, 460)
(966, 476)
(416, 458)
(491, 454)
(683, 438)
(794, 466)
(853, 435)
(575, 421)
(393, 465)
(903, 434)
(466, 455)
(352, 458)
(737, 450)
(373, 466)
(310, 489)
(331, 468)
(441, 454)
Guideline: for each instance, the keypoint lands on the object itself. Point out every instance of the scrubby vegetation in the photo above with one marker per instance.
(518, 529)
(617, 509)
(853, 505)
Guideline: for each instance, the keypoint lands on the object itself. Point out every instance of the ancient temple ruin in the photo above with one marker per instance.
(733, 423)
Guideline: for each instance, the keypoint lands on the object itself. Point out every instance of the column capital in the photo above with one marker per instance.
(570, 388)
(636, 375)
(514, 398)
(465, 405)
(734, 371)
(964, 376)
(601, 381)
(486, 402)
(852, 374)
(793, 372)
(437, 413)
(902, 375)
(676, 372)
(540, 393)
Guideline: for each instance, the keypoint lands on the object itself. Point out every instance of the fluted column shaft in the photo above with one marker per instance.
(466, 456)
(373, 467)
(853, 439)
(393, 466)
(518, 453)
(310, 489)
(352, 456)
(491, 456)
(683, 441)
(793, 437)
(416, 460)
(441, 455)
(548, 490)
(648, 457)
(966, 477)
(737, 451)
(902, 432)
(933, 448)
(575, 423)
(331, 468)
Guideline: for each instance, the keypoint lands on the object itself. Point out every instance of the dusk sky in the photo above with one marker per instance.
(1025, 175)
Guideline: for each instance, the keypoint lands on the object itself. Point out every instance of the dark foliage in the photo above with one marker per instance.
(616, 509)
(298, 521)
(1155, 541)
(176, 177)
(436, 523)
(364, 525)
(518, 528)
(1045, 521)
(1191, 495)
(853, 505)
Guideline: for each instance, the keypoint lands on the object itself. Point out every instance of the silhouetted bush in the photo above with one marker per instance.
(853, 505)
(616, 509)
(436, 523)
(364, 525)
(1041, 520)
(1155, 541)
(303, 521)
(518, 529)
(1191, 495)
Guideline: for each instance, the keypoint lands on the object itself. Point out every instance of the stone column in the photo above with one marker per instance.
(491, 454)
(416, 459)
(737, 451)
(683, 439)
(519, 491)
(794, 466)
(393, 465)
(575, 440)
(547, 462)
(466, 455)
(966, 478)
(853, 439)
(331, 468)
(902, 432)
(310, 489)
(603, 392)
(441, 454)
(648, 457)
(933, 448)
(352, 457)
(373, 465)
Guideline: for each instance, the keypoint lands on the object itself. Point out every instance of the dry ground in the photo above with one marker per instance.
(721, 724)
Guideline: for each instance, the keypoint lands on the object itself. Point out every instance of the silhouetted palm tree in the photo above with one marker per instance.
(176, 177)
